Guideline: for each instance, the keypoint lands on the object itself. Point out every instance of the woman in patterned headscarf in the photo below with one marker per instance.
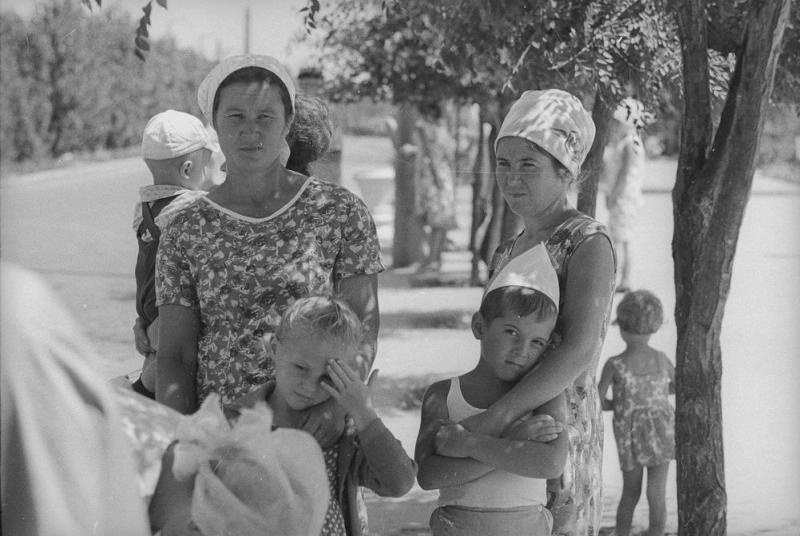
(230, 263)
(540, 147)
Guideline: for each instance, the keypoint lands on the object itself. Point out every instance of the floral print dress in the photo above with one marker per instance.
(575, 499)
(644, 420)
(241, 273)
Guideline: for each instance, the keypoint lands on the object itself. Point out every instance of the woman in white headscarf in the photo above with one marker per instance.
(540, 147)
(230, 263)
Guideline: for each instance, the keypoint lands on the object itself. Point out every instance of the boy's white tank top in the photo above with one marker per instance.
(497, 489)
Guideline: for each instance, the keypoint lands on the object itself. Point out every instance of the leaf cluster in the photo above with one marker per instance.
(478, 50)
(142, 39)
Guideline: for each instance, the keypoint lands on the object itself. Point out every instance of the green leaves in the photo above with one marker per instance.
(141, 41)
(474, 49)
(310, 12)
(88, 3)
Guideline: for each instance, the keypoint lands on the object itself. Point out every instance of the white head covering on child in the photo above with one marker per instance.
(531, 269)
(171, 134)
(249, 479)
(556, 121)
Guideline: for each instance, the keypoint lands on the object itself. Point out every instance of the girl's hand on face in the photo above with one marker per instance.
(347, 388)
(542, 428)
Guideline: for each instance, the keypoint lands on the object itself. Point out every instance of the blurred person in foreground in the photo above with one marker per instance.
(67, 469)
(238, 478)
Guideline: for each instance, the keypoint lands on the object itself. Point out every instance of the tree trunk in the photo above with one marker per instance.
(593, 166)
(494, 230)
(408, 231)
(711, 190)
(481, 203)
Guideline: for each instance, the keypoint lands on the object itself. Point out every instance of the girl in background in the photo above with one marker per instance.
(642, 378)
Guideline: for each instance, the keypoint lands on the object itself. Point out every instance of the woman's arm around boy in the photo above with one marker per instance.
(449, 455)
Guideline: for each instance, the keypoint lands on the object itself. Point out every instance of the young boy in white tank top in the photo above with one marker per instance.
(496, 485)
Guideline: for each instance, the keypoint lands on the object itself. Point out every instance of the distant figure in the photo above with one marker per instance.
(496, 485)
(65, 465)
(318, 348)
(624, 199)
(177, 149)
(435, 188)
(642, 378)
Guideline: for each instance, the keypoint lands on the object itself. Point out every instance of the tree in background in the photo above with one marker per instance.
(71, 83)
(488, 52)
(715, 174)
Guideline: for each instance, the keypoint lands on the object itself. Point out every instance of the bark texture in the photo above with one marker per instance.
(408, 231)
(715, 174)
(593, 166)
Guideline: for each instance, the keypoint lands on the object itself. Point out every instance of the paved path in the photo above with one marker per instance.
(73, 227)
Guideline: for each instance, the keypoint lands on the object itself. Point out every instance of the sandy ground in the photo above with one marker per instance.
(72, 226)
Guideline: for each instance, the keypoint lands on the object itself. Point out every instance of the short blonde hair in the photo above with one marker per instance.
(320, 316)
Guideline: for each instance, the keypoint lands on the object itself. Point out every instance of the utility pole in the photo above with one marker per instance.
(247, 29)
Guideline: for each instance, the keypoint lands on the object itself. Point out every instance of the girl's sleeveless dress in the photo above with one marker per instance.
(644, 420)
(575, 500)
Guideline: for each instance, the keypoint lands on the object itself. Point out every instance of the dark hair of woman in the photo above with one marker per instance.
(310, 133)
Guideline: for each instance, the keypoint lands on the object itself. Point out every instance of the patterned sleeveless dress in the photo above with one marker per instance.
(644, 420)
(575, 499)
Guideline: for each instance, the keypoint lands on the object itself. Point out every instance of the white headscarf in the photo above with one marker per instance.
(210, 84)
(556, 121)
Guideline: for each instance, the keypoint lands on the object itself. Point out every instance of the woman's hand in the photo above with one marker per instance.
(141, 339)
(351, 392)
(542, 428)
(325, 422)
(451, 440)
